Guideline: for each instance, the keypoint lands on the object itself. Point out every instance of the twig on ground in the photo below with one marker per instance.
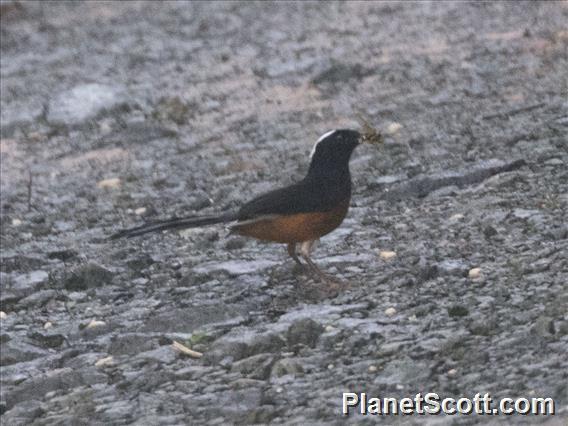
(185, 350)
(30, 183)
(505, 114)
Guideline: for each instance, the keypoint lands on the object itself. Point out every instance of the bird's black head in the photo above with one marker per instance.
(330, 154)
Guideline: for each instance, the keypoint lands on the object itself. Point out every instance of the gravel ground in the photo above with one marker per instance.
(455, 246)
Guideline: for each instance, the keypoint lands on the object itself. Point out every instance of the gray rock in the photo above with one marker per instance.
(562, 328)
(235, 243)
(47, 340)
(543, 327)
(421, 186)
(187, 320)
(174, 109)
(341, 73)
(63, 255)
(525, 214)
(484, 327)
(265, 342)
(38, 299)
(260, 415)
(235, 404)
(304, 332)
(425, 270)
(87, 276)
(458, 311)
(163, 355)
(128, 344)
(16, 350)
(9, 300)
(234, 267)
(452, 267)
(24, 413)
(255, 367)
(137, 133)
(225, 352)
(140, 262)
(242, 343)
(489, 231)
(286, 366)
(25, 284)
(402, 372)
(83, 102)
(19, 117)
(21, 263)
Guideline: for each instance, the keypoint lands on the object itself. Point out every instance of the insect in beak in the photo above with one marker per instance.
(368, 133)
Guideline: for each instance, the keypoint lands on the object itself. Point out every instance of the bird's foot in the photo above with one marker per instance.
(332, 284)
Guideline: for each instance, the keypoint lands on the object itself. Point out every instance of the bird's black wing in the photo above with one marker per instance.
(302, 197)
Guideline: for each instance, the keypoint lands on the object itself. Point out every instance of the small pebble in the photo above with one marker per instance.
(393, 128)
(140, 211)
(474, 273)
(372, 368)
(47, 325)
(399, 387)
(95, 324)
(390, 312)
(330, 367)
(554, 162)
(105, 127)
(456, 217)
(35, 136)
(109, 183)
(452, 372)
(329, 328)
(387, 255)
(103, 362)
(3, 315)
(16, 222)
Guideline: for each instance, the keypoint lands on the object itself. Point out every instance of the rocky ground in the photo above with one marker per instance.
(455, 247)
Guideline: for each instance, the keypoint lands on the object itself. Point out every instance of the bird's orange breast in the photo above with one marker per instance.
(294, 228)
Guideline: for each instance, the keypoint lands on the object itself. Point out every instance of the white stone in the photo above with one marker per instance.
(387, 254)
(393, 128)
(474, 273)
(103, 362)
(110, 183)
(390, 312)
(95, 324)
(82, 102)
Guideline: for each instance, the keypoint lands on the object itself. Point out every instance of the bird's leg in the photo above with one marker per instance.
(305, 251)
(292, 252)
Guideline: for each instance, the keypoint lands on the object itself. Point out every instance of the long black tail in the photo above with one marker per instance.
(176, 223)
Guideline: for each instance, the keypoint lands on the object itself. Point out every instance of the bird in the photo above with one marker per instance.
(297, 215)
